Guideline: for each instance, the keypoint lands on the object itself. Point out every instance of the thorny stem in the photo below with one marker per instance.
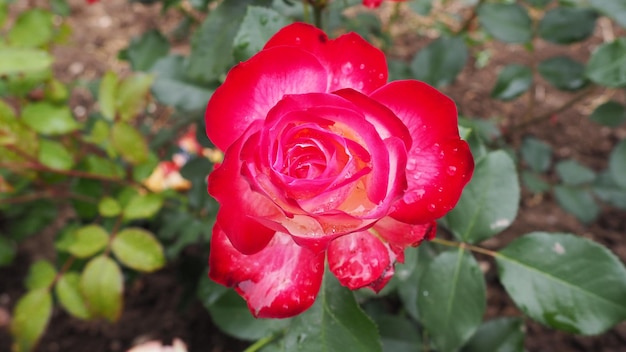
(464, 245)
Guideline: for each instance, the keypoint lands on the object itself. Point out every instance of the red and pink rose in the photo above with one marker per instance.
(325, 161)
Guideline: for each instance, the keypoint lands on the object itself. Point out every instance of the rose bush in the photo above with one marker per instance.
(325, 159)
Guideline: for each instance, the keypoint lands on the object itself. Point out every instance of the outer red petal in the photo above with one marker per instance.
(239, 205)
(401, 234)
(439, 163)
(350, 61)
(253, 87)
(360, 260)
(280, 281)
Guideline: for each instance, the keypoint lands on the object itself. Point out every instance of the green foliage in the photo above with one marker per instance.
(452, 309)
(490, 201)
(513, 81)
(97, 166)
(441, 61)
(565, 282)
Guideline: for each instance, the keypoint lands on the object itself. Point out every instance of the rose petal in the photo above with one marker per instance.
(351, 61)
(436, 177)
(403, 235)
(360, 259)
(253, 87)
(239, 204)
(439, 163)
(280, 281)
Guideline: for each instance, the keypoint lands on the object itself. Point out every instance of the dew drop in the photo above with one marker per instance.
(440, 189)
(425, 293)
(381, 76)
(335, 80)
(362, 66)
(347, 68)
(451, 170)
(360, 85)
(298, 40)
(432, 207)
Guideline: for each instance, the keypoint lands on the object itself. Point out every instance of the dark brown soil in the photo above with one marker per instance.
(152, 302)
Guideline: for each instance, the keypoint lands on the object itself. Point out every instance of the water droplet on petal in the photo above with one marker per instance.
(360, 85)
(347, 68)
(298, 40)
(451, 170)
(335, 80)
(381, 76)
(432, 207)
(362, 66)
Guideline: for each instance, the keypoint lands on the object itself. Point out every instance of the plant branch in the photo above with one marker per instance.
(464, 245)
(468, 21)
(557, 110)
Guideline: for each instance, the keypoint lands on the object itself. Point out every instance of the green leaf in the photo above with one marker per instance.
(398, 334)
(614, 9)
(565, 25)
(607, 65)
(409, 273)
(335, 322)
(489, 202)
(60, 7)
(513, 80)
(258, 26)
(103, 166)
(41, 274)
(102, 285)
(131, 95)
(7, 251)
(537, 154)
(534, 182)
(30, 318)
(138, 249)
(49, 119)
(610, 114)
(231, 315)
(606, 189)
(441, 61)
(565, 282)
(617, 164)
(506, 22)
(572, 173)
(68, 292)
(172, 87)
(498, 335)
(32, 29)
(54, 155)
(143, 206)
(422, 7)
(212, 43)
(538, 3)
(129, 143)
(21, 60)
(452, 309)
(88, 240)
(578, 202)
(563, 73)
(106, 95)
(109, 207)
(145, 50)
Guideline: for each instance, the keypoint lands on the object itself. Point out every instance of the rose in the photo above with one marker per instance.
(323, 159)
(376, 3)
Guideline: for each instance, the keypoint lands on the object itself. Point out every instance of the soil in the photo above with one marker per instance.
(152, 302)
